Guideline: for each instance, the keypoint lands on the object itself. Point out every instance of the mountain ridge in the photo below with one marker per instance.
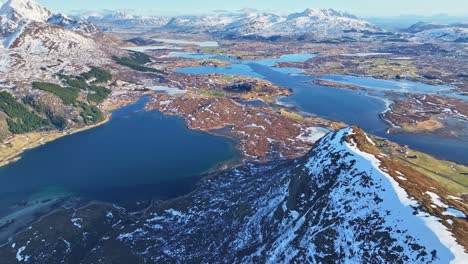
(335, 204)
(33, 38)
(253, 23)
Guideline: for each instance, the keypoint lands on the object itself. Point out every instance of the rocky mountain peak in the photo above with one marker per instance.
(17, 10)
(321, 14)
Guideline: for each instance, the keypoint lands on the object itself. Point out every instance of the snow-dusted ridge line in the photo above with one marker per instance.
(446, 238)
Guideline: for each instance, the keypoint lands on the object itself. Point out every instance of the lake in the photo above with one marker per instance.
(402, 86)
(353, 107)
(138, 155)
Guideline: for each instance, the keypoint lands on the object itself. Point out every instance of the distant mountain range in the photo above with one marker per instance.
(320, 23)
(457, 32)
(311, 24)
(121, 19)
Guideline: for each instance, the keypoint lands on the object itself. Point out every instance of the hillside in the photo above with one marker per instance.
(338, 203)
(319, 23)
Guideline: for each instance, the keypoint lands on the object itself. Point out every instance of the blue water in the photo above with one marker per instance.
(197, 56)
(243, 67)
(233, 69)
(285, 58)
(136, 155)
(403, 86)
(352, 107)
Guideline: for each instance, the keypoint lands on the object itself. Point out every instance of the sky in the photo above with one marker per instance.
(363, 8)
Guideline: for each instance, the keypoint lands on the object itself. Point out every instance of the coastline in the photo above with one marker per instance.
(28, 141)
(24, 142)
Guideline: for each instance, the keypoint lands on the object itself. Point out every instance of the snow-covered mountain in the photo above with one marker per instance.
(338, 204)
(16, 13)
(122, 19)
(457, 32)
(75, 25)
(321, 23)
(34, 39)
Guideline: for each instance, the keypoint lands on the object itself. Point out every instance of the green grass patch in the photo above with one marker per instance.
(449, 174)
(212, 92)
(68, 95)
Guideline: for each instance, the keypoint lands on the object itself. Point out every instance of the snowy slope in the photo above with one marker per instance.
(336, 205)
(75, 25)
(320, 22)
(24, 9)
(436, 31)
(16, 13)
(122, 19)
(449, 34)
(38, 44)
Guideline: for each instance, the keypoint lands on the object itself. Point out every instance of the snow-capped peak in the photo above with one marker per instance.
(17, 10)
(121, 15)
(321, 14)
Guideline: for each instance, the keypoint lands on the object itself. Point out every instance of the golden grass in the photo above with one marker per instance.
(292, 115)
(447, 174)
(428, 125)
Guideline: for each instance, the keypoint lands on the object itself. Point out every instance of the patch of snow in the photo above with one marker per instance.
(313, 134)
(254, 126)
(454, 212)
(13, 36)
(174, 213)
(170, 91)
(19, 257)
(68, 245)
(76, 222)
(109, 215)
(130, 236)
(454, 198)
(436, 200)
(370, 140)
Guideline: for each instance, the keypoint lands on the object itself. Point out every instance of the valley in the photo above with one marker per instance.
(306, 128)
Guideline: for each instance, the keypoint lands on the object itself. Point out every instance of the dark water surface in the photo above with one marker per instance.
(136, 155)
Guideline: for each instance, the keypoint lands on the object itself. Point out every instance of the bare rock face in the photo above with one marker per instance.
(335, 205)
